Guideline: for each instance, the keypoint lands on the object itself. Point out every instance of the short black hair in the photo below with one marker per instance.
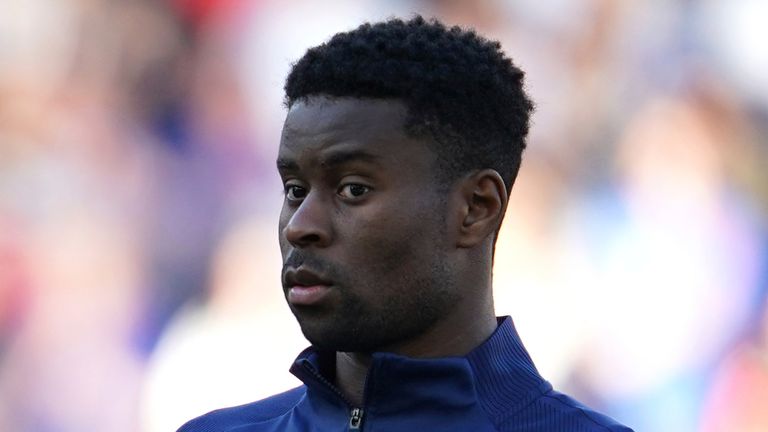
(459, 88)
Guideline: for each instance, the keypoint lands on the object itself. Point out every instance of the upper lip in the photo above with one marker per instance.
(303, 277)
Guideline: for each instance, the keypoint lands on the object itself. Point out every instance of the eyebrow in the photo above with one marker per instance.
(331, 160)
(341, 157)
(285, 164)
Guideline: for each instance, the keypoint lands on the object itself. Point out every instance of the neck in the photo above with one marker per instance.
(351, 372)
(456, 335)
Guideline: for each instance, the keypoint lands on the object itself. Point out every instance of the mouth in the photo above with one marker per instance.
(304, 287)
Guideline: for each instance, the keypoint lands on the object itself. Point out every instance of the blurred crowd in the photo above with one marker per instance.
(139, 268)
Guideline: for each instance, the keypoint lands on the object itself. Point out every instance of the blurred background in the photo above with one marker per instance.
(139, 266)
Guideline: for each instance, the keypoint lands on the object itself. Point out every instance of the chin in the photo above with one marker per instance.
(348, 338)
(324, 342)
(329, 335)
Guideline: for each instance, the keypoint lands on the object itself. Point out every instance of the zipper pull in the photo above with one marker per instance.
(355, 418)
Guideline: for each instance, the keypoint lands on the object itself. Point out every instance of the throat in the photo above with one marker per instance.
(351, 374)
(351, 368)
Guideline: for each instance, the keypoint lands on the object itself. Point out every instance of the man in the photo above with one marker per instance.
(401, 143)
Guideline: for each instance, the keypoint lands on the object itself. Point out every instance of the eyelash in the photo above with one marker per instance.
(287, 191)
(350, 185)
(292, 187)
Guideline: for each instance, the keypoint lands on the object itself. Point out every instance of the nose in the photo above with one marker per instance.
(309, 224)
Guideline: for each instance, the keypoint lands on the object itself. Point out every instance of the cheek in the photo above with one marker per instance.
(393, 245)
(285, 216)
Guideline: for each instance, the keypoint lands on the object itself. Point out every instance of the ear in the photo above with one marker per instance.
(484, 200)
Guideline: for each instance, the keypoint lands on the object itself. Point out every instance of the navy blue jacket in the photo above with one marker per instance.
(495, 388)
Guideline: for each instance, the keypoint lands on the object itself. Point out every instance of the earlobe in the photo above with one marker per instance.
(484, 202)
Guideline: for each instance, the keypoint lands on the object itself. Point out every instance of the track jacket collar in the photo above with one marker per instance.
(499, 375)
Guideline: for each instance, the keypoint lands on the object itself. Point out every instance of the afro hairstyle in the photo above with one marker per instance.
(459, 88)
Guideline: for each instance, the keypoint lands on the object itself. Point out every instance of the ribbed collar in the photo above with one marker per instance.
(499, 375)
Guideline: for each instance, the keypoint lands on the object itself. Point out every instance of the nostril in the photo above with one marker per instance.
(307, 239)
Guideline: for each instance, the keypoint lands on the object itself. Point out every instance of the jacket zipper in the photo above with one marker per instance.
(355, 418)
(355, 414)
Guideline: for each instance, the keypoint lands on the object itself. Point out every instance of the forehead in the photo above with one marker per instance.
(319, 114)
(377, 126)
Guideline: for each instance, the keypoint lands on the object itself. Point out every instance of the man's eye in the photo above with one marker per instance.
(294, 193)
(353, 190)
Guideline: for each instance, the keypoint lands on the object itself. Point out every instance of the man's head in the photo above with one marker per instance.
(401, 142)
(461, 92)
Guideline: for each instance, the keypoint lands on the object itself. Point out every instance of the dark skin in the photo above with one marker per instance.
(377, 257)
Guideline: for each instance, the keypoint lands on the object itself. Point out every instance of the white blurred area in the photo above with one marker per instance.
(139, 265)
(236, 345)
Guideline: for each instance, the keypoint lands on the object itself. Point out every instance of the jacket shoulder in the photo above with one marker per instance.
(554, 411)
(229, 418)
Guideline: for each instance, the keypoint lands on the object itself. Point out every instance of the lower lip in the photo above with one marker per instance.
(307, 295)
